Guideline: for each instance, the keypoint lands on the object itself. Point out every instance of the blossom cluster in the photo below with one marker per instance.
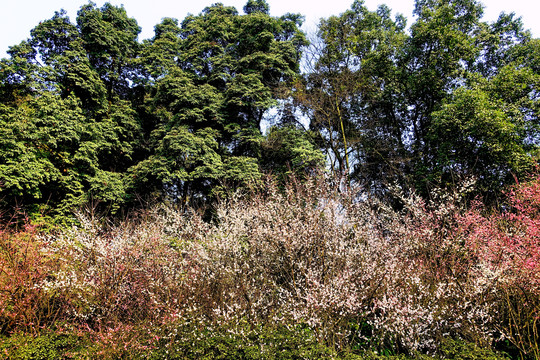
(352, 268)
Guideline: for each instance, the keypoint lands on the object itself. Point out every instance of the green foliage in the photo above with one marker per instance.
(392, 107)
(477, 138)
(233, 341)
(45, 346)
(53, 154)
(39, 147)
(69, 137)
(110, 39)
(460, 350)
(352, 89)
(242, 341)
(91, 114)
(289, 150)
(214, 77)
(256, 6)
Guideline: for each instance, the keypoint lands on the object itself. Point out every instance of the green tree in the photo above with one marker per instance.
(288, 150)
(257, 6)
(91, 113)
(479, 139)
(211, 81)
(70, 130)
(110, 40)
(412, 109)
(353, 94)
(466, 118)
(489, 129)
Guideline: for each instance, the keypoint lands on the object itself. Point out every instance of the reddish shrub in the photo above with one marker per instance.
(506, 246)
(26, 261)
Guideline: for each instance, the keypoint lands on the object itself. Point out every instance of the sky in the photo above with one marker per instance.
(18, 17)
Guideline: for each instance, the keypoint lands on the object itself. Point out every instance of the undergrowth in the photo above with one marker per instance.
(301, 272)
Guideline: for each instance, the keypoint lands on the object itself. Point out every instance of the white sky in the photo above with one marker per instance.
(18, 17)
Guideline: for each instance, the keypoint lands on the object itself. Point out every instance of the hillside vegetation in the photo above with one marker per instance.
(228, 189)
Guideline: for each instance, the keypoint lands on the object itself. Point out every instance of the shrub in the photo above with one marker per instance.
(45, 346)
(127, 273)
(460, 350)
(308, 267)
(507, 250)
(26, 262)
(240, 340)
(327, 258)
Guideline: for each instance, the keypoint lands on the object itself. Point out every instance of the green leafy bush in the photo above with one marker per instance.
(460, 350)
(46, 346)
(239, 340)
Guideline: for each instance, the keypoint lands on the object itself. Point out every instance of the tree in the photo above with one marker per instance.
(213, 79)
(288, 150)
(91, 113)
(70, 131)
(352, 94)
(462, 119)
(110, 40)
(478, 139)
(257, 6)
(488, 127)
(412, 109)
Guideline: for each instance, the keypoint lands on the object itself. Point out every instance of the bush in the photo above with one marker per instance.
(26, 263)
(302, 271)
(240, 340)
(21, 346)
(506, 249)
(127, 273)
(459, 350)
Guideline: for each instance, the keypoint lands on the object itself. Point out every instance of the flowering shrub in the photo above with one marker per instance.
(25, 263)
(349, 269)
(506, 247)
(315, 255)
(131, 272)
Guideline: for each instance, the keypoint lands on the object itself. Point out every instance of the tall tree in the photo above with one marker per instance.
(214, 77)
(91, 113)
(70, 131)
(110, 40)
(353, 93)
(427, 108)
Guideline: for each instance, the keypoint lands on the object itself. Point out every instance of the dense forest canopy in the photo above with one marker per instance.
(90, 113)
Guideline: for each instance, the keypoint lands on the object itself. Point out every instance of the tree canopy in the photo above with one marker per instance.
(452, 98)
(90, 113)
